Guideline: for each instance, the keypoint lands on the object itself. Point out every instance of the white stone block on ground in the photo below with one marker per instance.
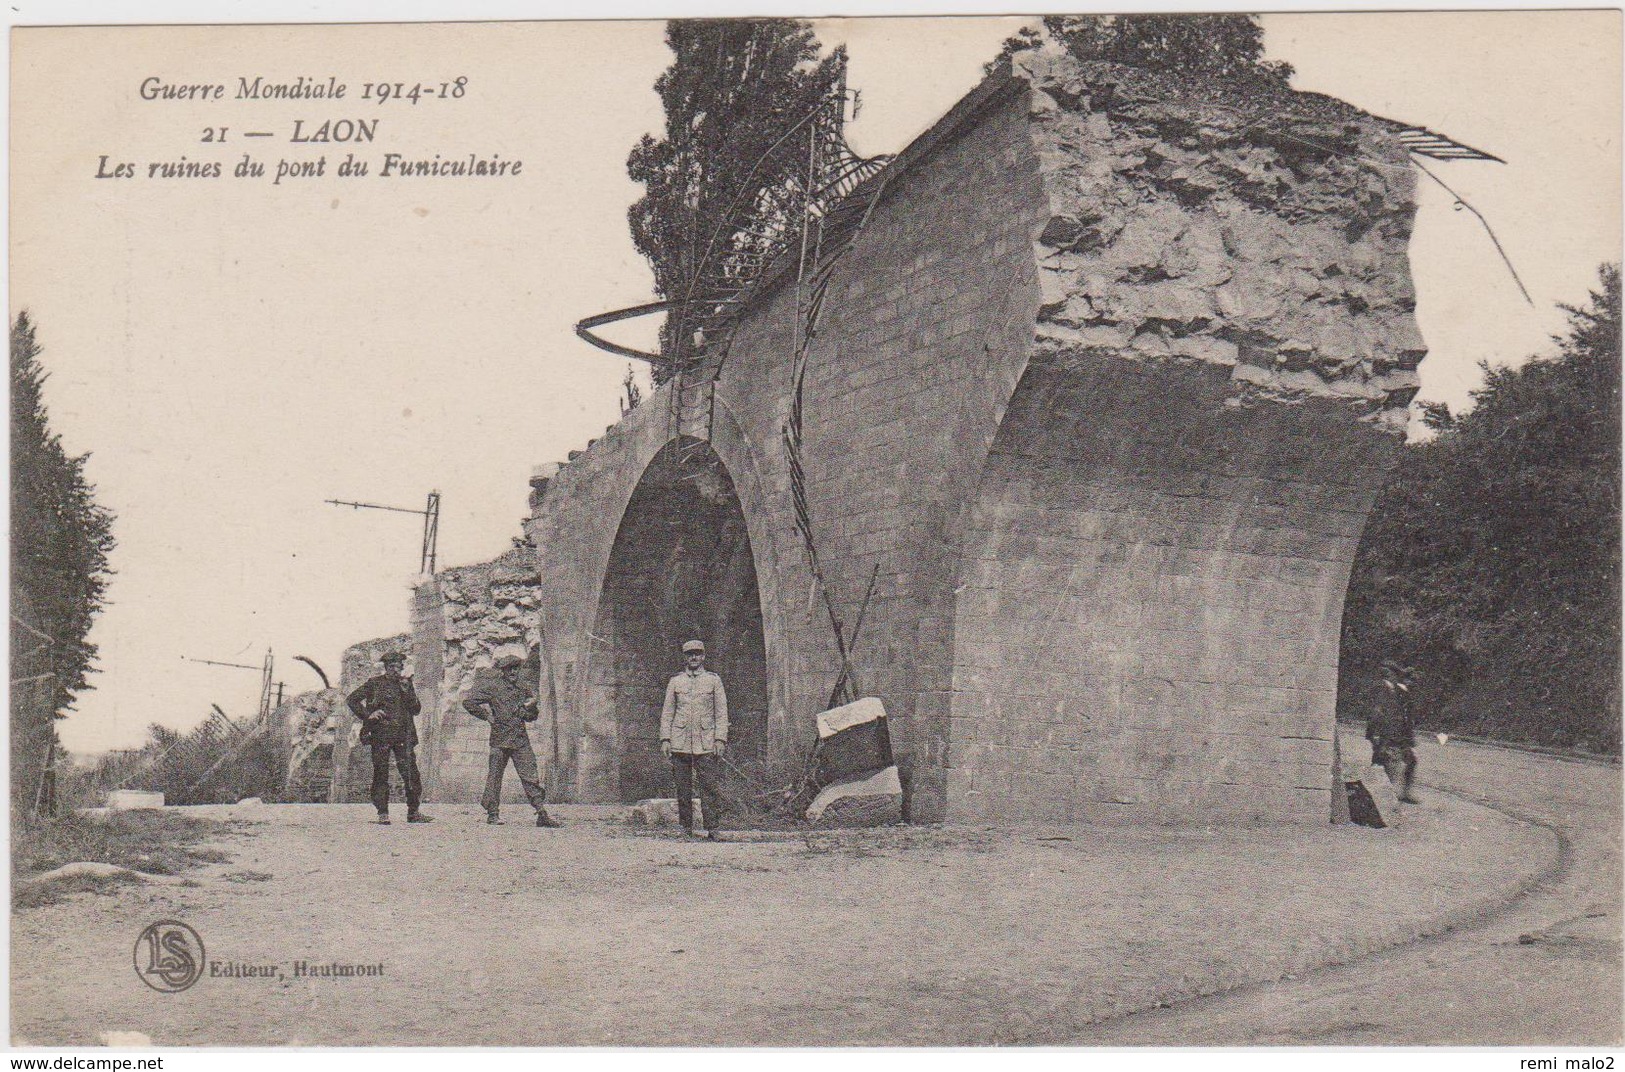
(658, 811)
(133, 799)
(875, 800)
(1387, 798)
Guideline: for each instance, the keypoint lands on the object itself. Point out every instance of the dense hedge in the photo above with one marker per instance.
(1492, 560)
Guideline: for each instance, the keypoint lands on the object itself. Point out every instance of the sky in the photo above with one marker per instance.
(234, 352)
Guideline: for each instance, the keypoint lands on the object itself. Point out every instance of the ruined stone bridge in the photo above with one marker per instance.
(1105, 389)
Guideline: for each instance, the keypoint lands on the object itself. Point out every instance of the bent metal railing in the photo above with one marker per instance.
(757, 228)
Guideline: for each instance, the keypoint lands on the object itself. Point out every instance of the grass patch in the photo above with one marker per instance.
(249, 876)
(157, 842)
(719, 865)
(52, 892)
(889, 840)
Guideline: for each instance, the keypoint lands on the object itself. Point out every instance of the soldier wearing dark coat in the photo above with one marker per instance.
(1391, 729)
(387, 706)
(505, 701)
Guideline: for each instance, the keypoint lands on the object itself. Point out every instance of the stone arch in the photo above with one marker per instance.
(681, 566)
(1148, 598)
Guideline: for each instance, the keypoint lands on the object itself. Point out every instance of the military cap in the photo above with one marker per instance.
(693, 646)
(507, 662)
(393, 657)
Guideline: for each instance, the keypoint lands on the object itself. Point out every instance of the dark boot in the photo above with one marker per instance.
(493, 819)
(544, 819)
(419, 817)
(383, 818)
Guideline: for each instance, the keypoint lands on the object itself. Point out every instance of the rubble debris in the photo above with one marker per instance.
(1267, 236)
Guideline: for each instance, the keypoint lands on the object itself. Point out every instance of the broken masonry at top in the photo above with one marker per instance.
(1244, 225)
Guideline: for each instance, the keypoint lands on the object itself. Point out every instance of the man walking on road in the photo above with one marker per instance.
(1392, 728)
(694, 736)
(508, 704)
(387, 706)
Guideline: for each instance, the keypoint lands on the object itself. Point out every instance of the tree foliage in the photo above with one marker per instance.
(60, 540)
(1210, 46)
(732, 90)
(1492, 560)
(631, 393)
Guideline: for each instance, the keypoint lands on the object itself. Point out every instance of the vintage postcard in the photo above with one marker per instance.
(1074, 529)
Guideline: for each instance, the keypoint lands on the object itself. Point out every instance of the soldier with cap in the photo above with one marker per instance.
(387, 706)
(508, 703)
(694, 735)
(1391, 729)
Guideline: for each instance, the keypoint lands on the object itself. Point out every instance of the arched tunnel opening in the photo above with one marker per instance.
(680, 569)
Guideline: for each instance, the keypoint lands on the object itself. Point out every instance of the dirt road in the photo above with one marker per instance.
(956, 935)
(1547, 971)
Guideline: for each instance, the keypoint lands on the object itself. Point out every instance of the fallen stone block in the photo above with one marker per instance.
(133, 799)
(657, 811)
(1386, 797)
(873, 800)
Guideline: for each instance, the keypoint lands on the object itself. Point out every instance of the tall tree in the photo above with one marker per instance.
(60, 540)
(1493, 557)
(734, 87)
(1212, 46)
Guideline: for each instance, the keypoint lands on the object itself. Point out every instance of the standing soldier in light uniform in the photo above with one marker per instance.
(387, 706)
(694, 735)
(509, 706)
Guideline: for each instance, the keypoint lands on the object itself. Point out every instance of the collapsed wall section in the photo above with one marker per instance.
(1151, 586)
(311, 721)
(464, 619)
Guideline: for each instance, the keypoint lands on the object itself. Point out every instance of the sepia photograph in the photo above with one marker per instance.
(1089, 530)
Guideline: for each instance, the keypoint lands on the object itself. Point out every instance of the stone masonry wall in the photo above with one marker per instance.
(925, 317)
(1105, 390)
(1265, 235)
(1150, 602)
(467, 618)
(311, 720)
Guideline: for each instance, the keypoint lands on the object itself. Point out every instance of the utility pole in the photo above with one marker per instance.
(431, 523)
(269, 687)
(209, 743)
